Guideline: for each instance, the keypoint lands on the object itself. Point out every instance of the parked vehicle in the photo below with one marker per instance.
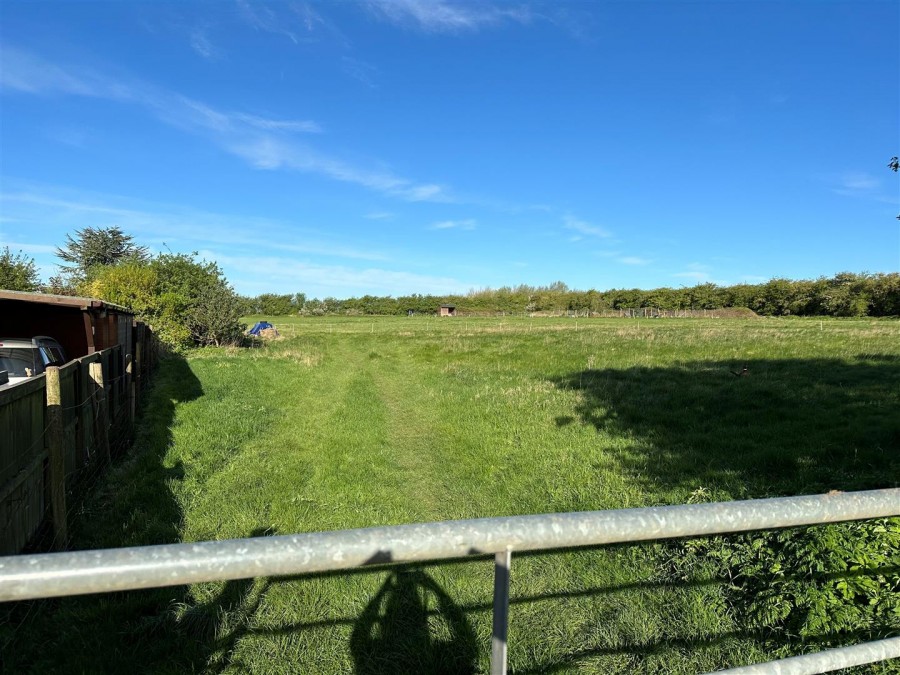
(22, 358)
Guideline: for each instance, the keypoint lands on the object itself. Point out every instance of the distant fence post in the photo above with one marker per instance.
(57, 454)
(96, 372)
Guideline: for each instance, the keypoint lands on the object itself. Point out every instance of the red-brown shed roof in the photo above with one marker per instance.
(63, 300)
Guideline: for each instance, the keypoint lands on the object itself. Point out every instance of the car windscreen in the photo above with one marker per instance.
(49, 358)
(18, 361)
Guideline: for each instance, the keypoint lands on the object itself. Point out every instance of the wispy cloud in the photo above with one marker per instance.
(467, 224)
(861, 185)
(288, 274)
(696, 276)
(360, 70)
(24, 72)
(201, 44)
(71, 136)
(856, 183)
(266, 152)
(634, 260)
(424, 193)
(293, 256)
(583, 227)
(55, 212)
(379, 215)
(696, 271)
(263, 142)
(27, 73)
(439, 16)
(264, 18)
(266, 124)
(16, 246)
(299, 22)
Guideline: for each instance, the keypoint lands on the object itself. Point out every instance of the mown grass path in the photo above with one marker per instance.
(354, 423)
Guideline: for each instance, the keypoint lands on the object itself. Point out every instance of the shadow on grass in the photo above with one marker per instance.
(411, 625)
(214, 627)
(750, 428)
(132, 505)
(396, 632)
(136, 506)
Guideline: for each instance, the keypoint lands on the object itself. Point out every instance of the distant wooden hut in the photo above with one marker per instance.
(447, 310)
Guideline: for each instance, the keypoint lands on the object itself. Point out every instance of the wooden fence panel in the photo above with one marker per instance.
(114, 376)
(88, 412)
(24, 485)
(22, 461)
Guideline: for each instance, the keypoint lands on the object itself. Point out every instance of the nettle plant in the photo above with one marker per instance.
(816, 584)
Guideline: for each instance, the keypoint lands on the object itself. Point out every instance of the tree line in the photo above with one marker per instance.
(846, 294)
(190, 303)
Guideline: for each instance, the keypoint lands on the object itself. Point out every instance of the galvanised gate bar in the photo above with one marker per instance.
(58, 574)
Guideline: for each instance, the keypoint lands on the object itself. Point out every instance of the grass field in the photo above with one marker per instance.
(356, 422)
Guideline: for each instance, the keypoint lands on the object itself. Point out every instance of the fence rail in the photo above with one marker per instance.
(80, 572)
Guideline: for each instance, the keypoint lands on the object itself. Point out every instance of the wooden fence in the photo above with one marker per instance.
(59, 430)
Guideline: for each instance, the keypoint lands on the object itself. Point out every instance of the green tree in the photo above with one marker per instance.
(132, 284)
(97, 247)
(272, 304)
(299, 300)
(195, 291)
(17, 272)
(886, 294)
(847, 294)
(774, 297)
(214, 317)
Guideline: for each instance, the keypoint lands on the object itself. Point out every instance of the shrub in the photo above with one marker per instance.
(187, 303)
(824, 583)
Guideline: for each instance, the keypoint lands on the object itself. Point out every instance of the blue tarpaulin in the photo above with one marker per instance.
(260, 326)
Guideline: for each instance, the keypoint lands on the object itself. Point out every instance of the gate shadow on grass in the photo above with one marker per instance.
(410, 625)
(783, 426)
(396, 632)
(215, 626)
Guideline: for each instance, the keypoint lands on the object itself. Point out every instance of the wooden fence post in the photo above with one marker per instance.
(102, 428)
(82, 449)
(138, 367)
(129, 389)
(57, 454)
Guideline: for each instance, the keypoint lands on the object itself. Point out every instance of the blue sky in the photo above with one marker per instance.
(399, 146)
